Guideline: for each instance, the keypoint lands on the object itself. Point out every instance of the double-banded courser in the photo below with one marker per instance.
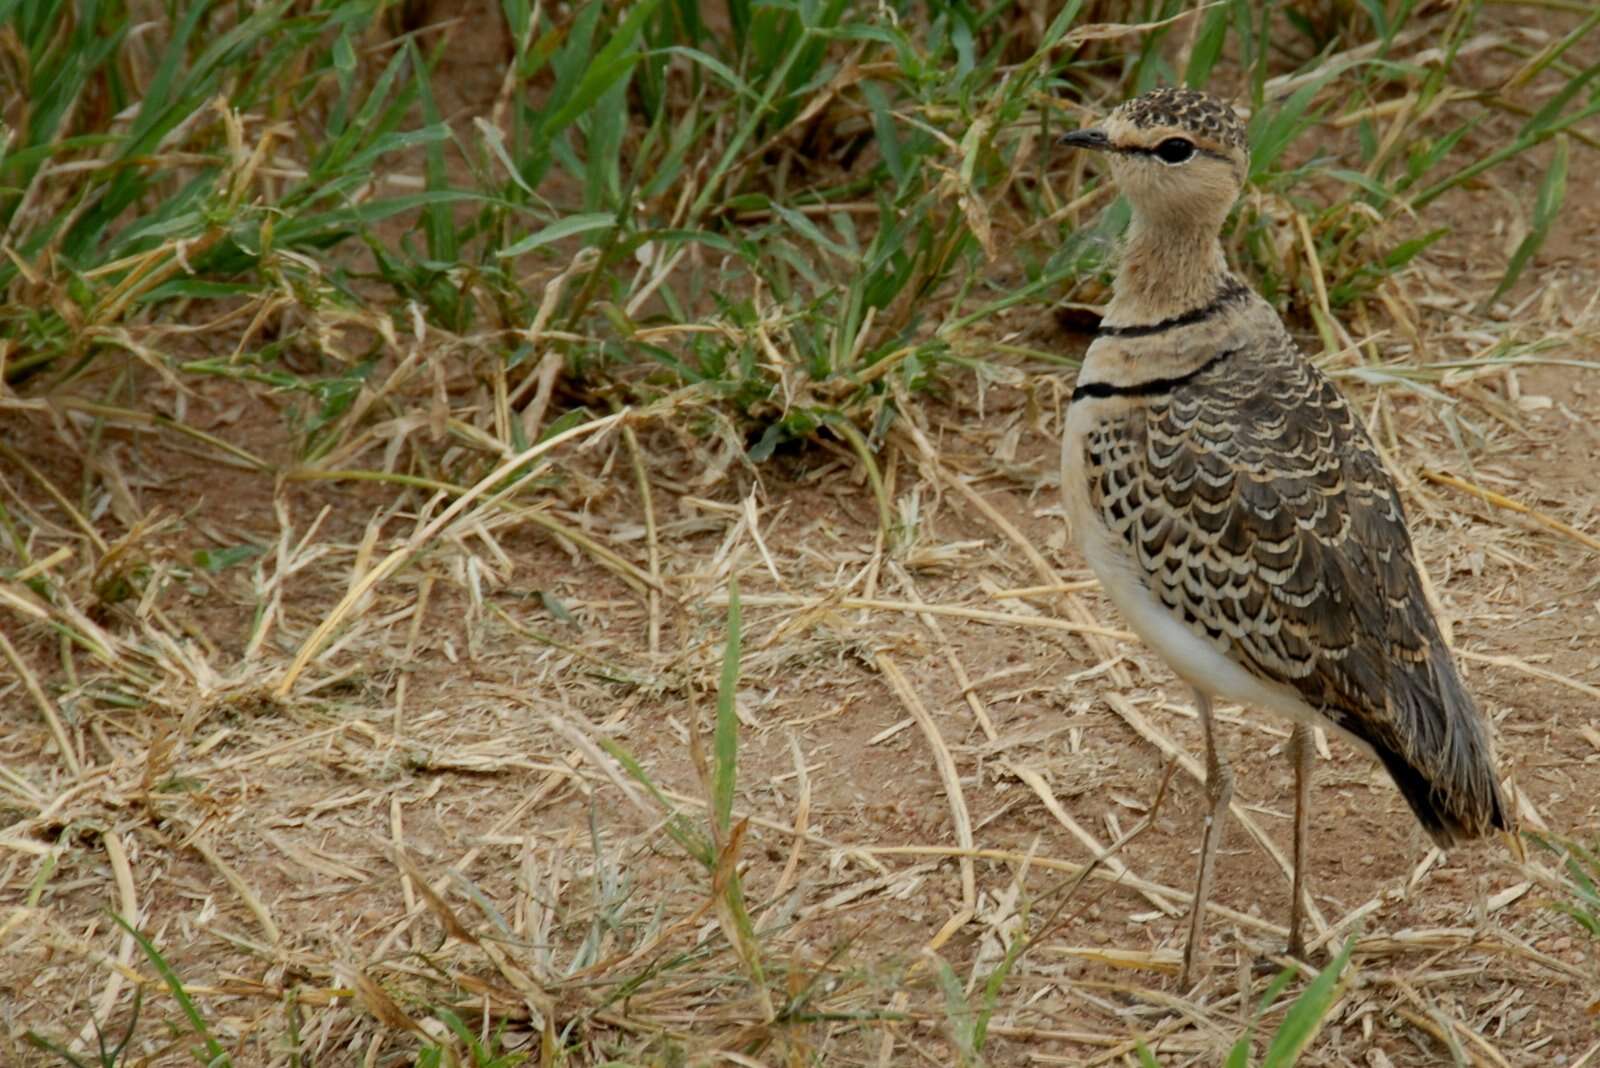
(1233, 507)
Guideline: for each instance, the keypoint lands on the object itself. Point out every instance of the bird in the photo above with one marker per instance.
(1235, 511)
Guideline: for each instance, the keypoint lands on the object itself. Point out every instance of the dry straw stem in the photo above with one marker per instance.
(539, 516)
(392, 562)
(27, 794)
(548, 785)
(30, 681)
(1093, 869)
(1036, 783)
(1158, 1038)
(802, 818)
(1463, 1042)
(128, 908)
(22, 602)
(652, 545)
(1435, 940)
(1491, 497)
(873, 604)
(1041, 591)
(952, 788)
(1517, 664)
(1075, 608)
(38, 567)
(252, 900)
(638, 580)
(134, 418)
(585, 749)
(56, 496)
(436, 904)
(1104, 857)
(963, 679)
(611, 667)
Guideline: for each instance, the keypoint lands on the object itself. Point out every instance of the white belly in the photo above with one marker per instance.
(1194, 658)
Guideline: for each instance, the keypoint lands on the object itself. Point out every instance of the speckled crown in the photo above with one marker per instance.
(1187, 109)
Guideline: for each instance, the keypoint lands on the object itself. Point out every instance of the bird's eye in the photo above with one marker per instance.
(1175, 150)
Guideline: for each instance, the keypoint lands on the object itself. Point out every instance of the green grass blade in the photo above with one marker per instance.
(725, 744)
(216, 1055)
(1308, 1013)
(614, 60)
(715, 66)
(38, 1041)
(1273, 130)
(1546, 206)
(1546, 123)
(443, 239)
(1208, 46)
(677, 826)
(995, 982)
(746, 131)
(959, 1012)
(571, 226)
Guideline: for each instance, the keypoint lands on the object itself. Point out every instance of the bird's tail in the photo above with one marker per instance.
(1449, 813)
(1442, 759)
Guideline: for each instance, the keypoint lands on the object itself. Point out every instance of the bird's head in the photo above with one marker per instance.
(1178, 155)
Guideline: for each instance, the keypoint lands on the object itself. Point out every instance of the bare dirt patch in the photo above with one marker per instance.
(465, 725)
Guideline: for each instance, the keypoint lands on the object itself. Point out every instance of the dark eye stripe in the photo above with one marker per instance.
(1140, 150)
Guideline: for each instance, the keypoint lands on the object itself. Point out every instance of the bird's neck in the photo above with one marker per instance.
(1166, 268)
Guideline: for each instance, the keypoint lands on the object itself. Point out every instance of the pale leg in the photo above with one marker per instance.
(1302, 753)
(1219, 791)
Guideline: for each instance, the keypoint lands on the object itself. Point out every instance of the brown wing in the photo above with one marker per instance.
(1263, 518)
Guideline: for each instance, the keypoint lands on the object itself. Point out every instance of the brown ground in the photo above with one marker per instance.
(460, 713)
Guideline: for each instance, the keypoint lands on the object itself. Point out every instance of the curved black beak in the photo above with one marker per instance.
(1088, 137)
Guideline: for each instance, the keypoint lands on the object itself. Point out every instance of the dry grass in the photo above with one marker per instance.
(402, 796)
